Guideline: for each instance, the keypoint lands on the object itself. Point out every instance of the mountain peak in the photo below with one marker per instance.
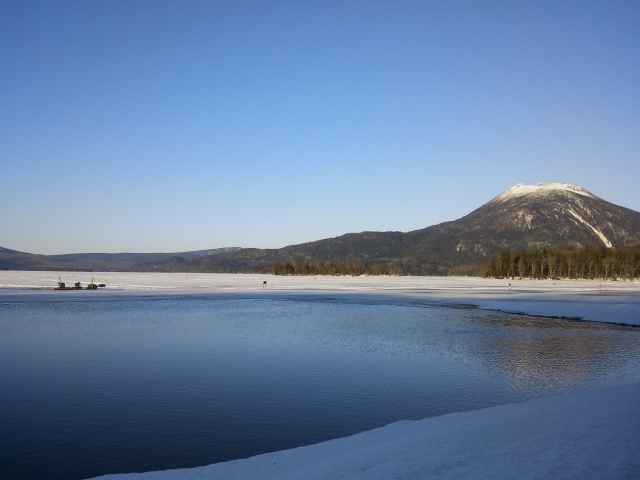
(521, 190)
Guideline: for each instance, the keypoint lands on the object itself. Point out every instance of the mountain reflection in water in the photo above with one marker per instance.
(553, 353)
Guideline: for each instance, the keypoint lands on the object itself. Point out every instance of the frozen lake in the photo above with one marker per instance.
(124, 385)
(611, 302)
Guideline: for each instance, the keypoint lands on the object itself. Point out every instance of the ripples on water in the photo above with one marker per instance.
(96, 388)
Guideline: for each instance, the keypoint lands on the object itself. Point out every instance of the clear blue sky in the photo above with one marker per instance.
(170, 126)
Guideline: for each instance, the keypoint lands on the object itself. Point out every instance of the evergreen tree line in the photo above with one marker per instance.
(324, 267)
(622, 263)
(394, 267)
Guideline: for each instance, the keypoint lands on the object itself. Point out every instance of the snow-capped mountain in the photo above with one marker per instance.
(547, 214)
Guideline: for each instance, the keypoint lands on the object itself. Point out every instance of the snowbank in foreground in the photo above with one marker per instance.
(585, 435)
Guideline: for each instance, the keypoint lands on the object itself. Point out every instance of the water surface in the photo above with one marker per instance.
(90, 388)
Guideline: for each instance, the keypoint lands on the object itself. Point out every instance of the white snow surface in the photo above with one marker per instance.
(588, 435)
(610, 301)
(521, 190)
(600, 235)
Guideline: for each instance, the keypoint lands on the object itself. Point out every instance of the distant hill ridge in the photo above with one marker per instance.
(106, 262)
(145, 257)
(559, 215)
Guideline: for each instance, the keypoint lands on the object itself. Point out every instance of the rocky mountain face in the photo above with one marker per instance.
(558, 215)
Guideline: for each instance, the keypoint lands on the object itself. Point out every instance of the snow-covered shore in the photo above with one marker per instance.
(585, 435)
(612, 302)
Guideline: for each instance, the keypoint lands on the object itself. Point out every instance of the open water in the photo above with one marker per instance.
(90, 388)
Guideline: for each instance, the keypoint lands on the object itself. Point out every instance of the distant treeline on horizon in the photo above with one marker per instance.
(588, 263)
(323, 267)
(353, 268)
(398, 267)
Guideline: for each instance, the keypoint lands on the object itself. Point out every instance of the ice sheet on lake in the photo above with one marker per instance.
(586, 435)
(614, 302)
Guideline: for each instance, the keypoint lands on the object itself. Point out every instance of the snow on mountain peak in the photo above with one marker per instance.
(521, 190)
